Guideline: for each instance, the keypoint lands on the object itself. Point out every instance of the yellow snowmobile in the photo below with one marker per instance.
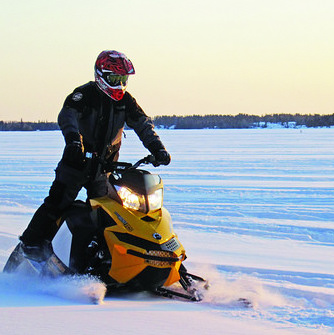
(125, 238)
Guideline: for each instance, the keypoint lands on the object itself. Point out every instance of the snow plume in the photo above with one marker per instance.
(234, 292)
(80, 289)
(84, 289)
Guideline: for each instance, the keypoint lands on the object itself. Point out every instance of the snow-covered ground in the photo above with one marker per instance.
(254, 209)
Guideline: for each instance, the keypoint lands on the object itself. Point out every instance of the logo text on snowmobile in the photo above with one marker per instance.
(157, 236)
(125, 223)
(171, 245)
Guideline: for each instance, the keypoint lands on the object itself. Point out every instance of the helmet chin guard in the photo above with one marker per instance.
(112, 63)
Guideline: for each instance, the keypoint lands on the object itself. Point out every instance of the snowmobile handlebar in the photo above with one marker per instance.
(149, 159)
(120, 167)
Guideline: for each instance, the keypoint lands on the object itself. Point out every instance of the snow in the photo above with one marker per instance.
(254, 209)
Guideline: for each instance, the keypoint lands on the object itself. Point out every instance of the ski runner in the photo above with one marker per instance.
(92, 121)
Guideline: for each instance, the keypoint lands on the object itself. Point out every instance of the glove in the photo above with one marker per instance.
(162, 157)
(73, 154)
(157, 149)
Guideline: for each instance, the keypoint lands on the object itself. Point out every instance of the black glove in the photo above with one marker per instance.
(73, 154)
(157, 149)
(162, 157)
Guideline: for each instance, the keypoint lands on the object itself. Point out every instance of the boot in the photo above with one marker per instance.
(38, 252)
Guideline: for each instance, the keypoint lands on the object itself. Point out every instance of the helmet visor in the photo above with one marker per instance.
(115, 79)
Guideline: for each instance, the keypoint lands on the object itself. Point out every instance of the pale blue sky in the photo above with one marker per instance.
(190, 56)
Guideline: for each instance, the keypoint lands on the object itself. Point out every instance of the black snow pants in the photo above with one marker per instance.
(64, 190)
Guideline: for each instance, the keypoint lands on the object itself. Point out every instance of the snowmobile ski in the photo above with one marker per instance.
(164, 292)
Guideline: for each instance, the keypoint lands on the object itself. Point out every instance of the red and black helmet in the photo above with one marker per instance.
(112, 70)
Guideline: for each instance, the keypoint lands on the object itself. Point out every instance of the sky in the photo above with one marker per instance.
(191, 57)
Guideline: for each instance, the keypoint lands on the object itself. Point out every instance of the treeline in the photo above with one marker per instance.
(203, 121)
(243, 121)
(27, 126)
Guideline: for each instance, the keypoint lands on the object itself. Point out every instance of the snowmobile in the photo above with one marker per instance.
(126, 239)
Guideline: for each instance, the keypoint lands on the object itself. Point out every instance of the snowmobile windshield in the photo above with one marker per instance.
(140, 181)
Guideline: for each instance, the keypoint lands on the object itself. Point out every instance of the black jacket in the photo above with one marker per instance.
(100, 120)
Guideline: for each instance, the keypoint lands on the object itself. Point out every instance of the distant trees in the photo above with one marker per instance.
(27, 126)
(206, 121)
(203, 121)
(242, 121)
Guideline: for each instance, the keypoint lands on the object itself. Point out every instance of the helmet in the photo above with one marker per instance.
(112, 69)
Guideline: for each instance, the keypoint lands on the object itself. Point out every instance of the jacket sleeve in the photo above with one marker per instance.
(72, 111)
(142, 125)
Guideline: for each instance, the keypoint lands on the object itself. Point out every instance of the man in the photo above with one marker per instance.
(92, 121)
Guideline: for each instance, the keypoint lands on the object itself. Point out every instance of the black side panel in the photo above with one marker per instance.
(104, 219)
(86, 225)
(83, 230)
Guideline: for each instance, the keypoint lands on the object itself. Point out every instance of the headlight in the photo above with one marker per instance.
(155, 200)
(137, 201)
(130, 199)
